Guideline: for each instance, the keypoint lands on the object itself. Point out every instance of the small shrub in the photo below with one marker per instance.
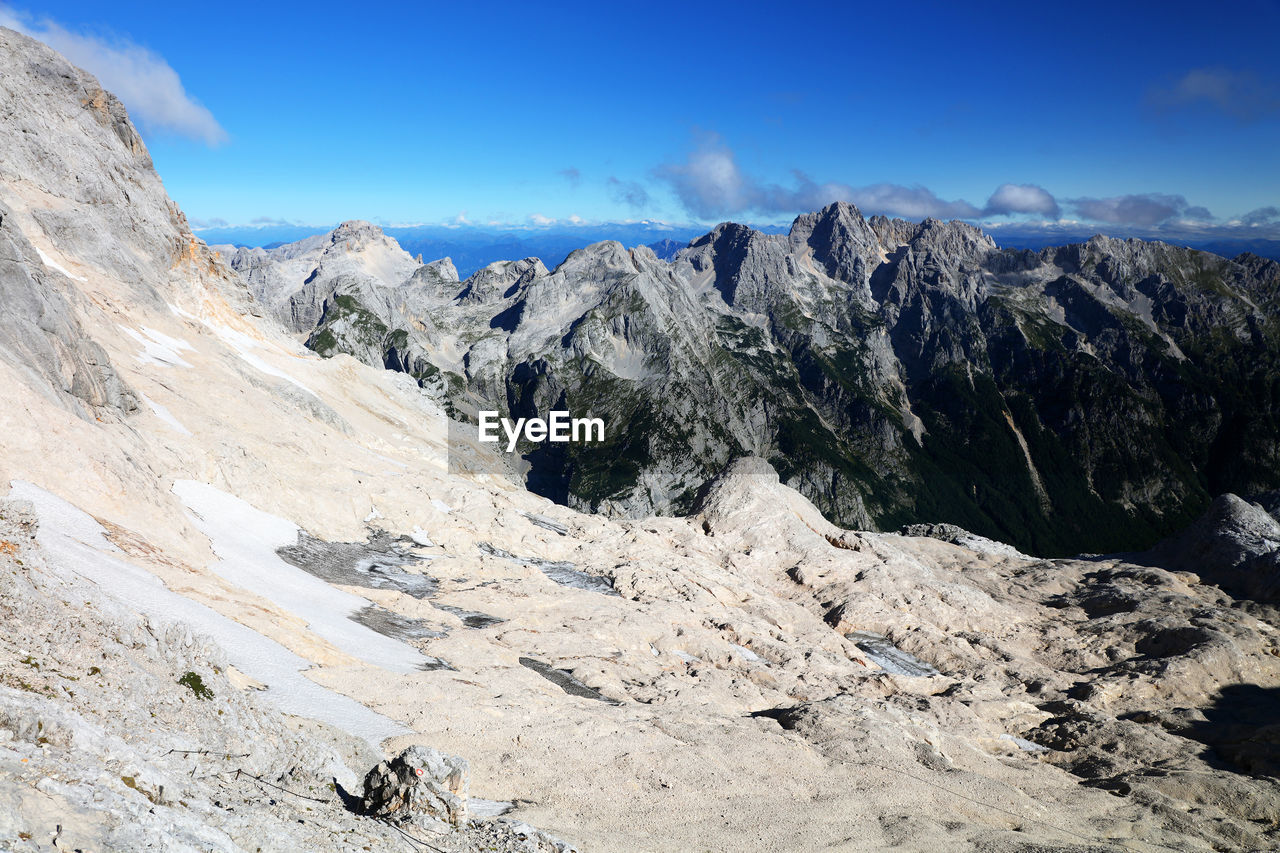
(195, 684)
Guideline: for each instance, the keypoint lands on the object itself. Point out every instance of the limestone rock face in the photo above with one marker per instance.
(42, 338)
(95, 195)
(419, 784)
(1235, 544)
(73, 212)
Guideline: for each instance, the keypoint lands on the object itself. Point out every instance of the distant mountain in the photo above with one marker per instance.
(667, 249)
(473, 247)
(1089, 397)
(1224, 241)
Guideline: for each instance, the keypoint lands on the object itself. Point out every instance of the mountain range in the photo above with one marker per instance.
(472, 247)
(1090, 397)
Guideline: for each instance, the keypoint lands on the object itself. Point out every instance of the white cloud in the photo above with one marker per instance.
(143, 80)
(709, 182)
(710, 185)
(894, 200)
(1262, 216)
(1009, 199)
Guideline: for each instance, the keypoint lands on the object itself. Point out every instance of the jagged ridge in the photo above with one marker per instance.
(1092, 396)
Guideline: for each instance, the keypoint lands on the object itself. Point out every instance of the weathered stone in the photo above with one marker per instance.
(420, 783)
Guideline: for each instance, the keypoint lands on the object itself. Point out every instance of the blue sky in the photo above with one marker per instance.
(1137, 116)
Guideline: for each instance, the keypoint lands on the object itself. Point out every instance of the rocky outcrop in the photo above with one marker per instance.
(419, 786)
(1235, 544)
(41, 337)
(95, 196)
(89, 206)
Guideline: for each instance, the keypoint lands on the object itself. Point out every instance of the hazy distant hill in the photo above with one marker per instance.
(473, 247)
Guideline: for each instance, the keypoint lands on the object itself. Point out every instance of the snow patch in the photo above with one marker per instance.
(245, 539)
(158, 348)
(164, 414)
(889, 657)
(244, 346)
(56, 267)
(77, 545)
(1024, 744)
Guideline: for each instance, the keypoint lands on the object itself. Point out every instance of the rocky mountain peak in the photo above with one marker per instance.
(356, 236)
(840, 214)
(893, 232)
(57, 92)
(607, 254)
(355, 229)
(98, 172)
(80, 202)
(442, 269)
(724, 236)
(955, 239)
(501, 279)
(841, 239)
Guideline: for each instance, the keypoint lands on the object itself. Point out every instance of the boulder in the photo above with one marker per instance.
(420, 785)
(1235, 544)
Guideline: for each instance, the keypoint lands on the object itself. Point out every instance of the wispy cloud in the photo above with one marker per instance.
(710, 185)
(1242, 95)
(572, 175)
(1261, 216)
(143, 80)
(1142, 209)
(628, 192)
